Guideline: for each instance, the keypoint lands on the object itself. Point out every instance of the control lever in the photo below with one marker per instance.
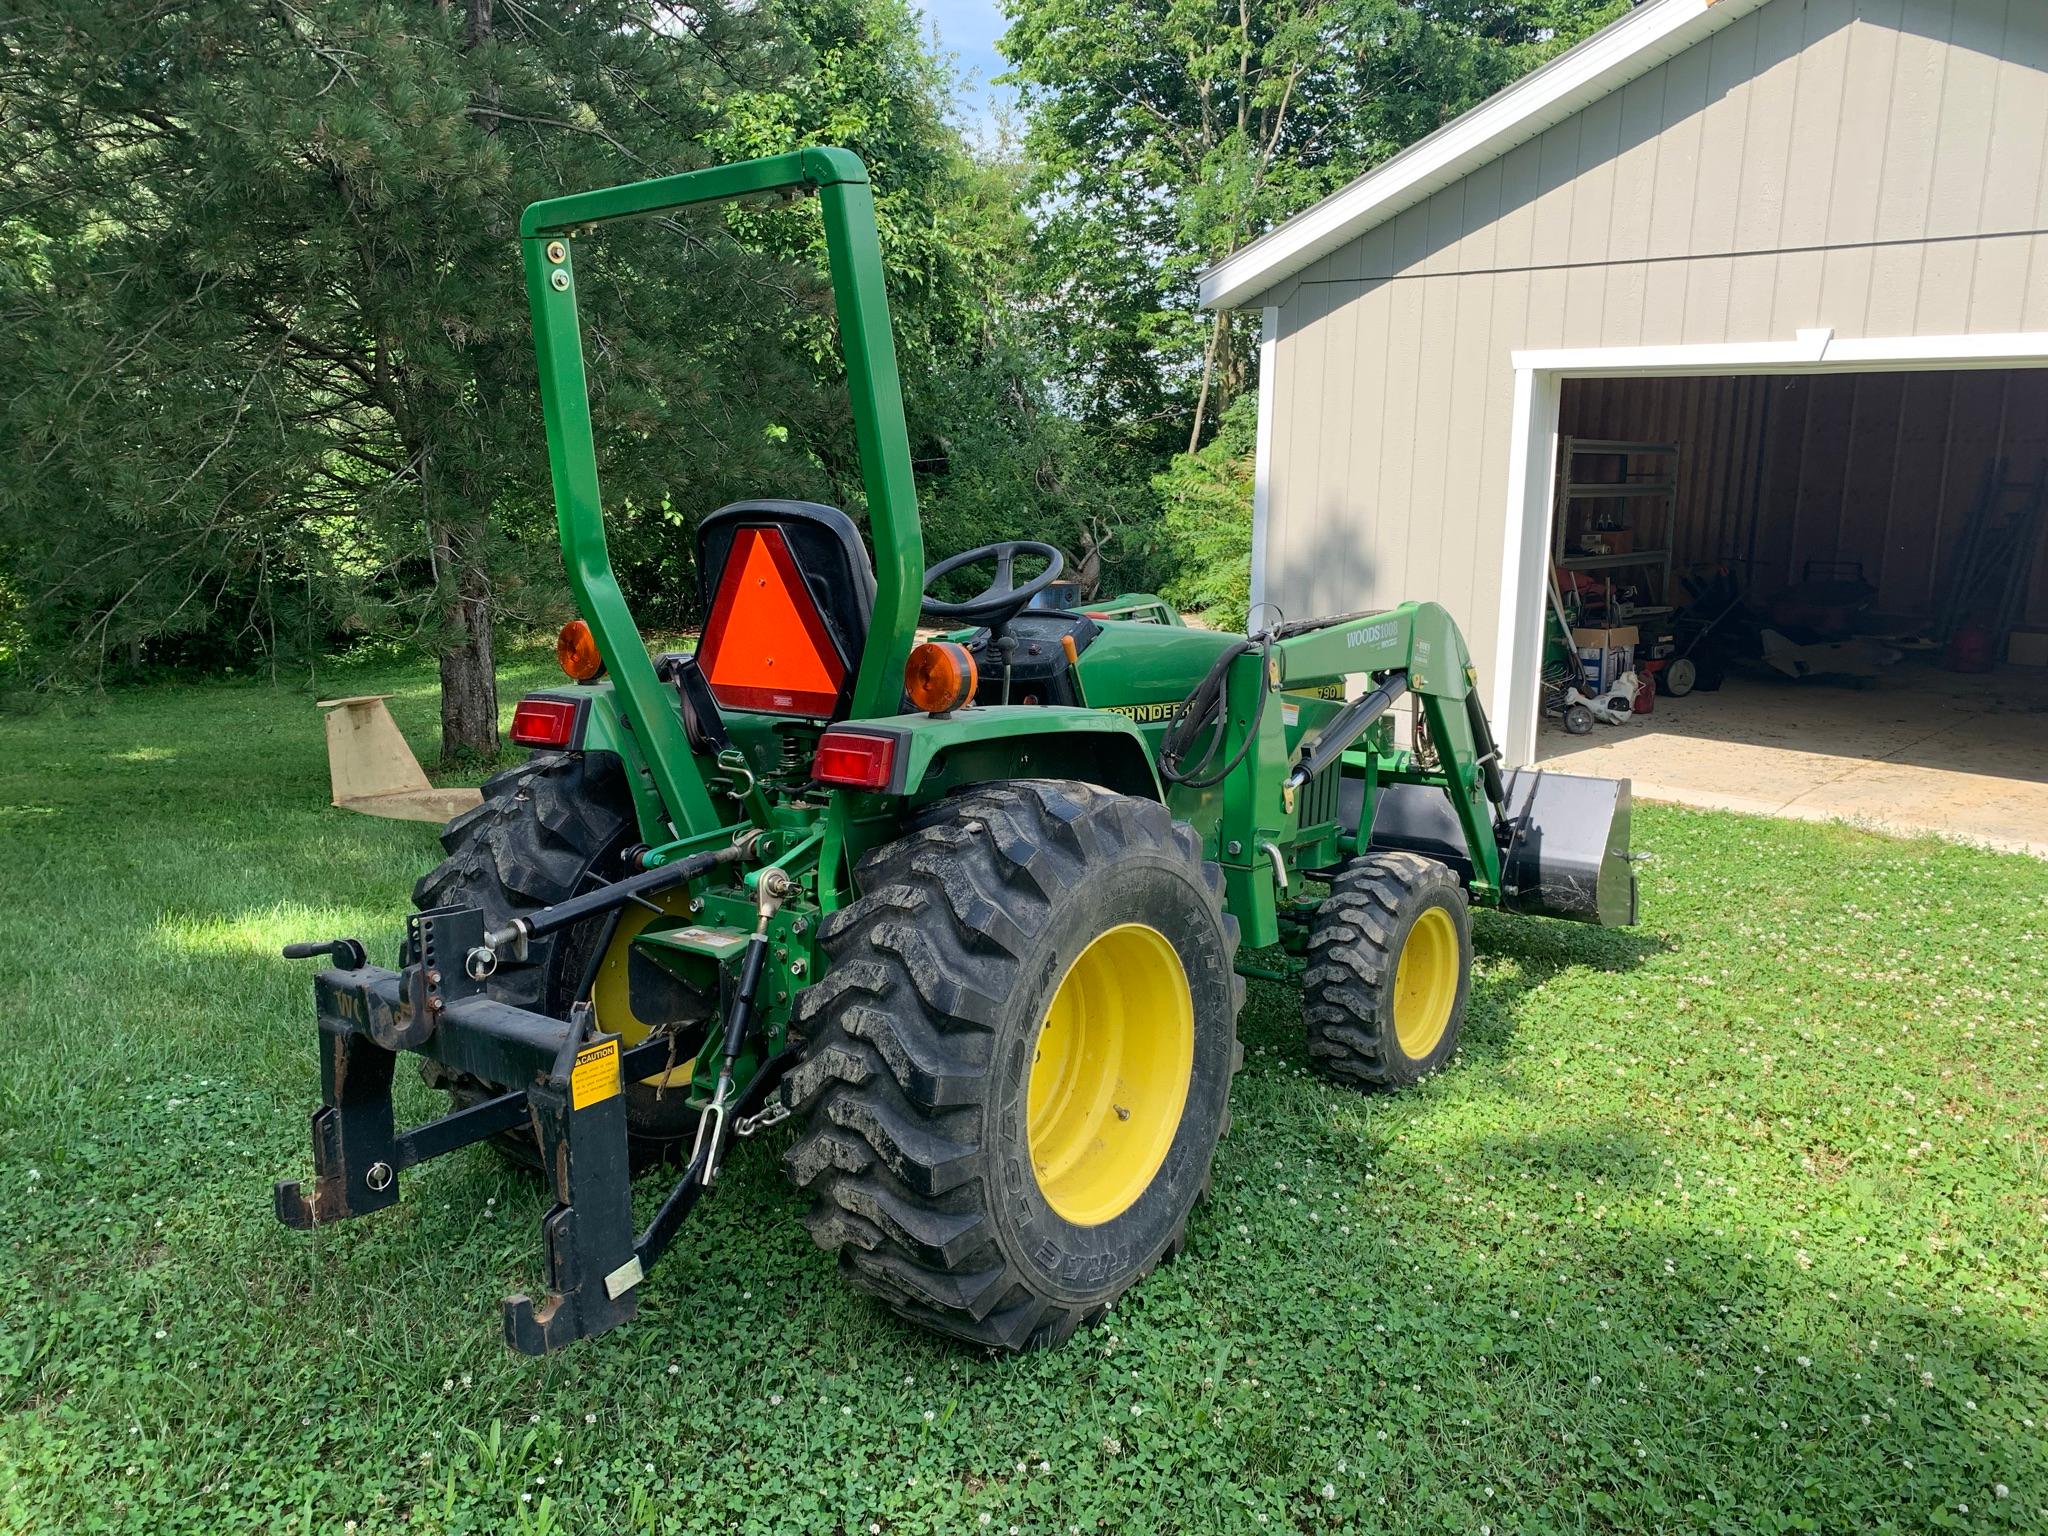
(347, 954)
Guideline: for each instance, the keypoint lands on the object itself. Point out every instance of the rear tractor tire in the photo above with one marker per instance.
(547, 830)
(1389, 969)
(1018, 1062)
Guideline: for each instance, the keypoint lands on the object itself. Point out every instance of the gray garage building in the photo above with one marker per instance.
(1802, 241)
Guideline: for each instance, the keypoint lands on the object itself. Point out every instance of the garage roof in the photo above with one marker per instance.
(1628, 48)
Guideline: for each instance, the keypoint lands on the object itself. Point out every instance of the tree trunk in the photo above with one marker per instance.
(1217, 334)
(469, 673)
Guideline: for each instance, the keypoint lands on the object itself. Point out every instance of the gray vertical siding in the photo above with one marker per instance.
(1875, 166)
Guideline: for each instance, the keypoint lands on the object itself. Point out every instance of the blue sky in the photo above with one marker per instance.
(968, 29)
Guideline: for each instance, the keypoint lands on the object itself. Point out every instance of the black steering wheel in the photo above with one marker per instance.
(1002, 599)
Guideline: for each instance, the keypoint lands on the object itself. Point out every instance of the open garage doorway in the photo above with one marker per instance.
(1839, 579)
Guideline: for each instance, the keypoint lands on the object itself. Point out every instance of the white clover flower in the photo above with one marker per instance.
(929, 1416)
(590, 1418)
(1329, 1490)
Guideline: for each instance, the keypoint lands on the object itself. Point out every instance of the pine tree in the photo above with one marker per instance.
(264, 316)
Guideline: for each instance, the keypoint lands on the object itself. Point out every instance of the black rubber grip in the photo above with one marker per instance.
(349, 954)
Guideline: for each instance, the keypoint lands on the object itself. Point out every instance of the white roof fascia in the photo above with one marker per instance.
(1623, 51)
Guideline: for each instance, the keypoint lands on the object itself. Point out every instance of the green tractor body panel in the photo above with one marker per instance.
(937, 754)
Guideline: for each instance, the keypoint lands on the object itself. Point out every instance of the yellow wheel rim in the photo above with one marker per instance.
(1426, 983)
(1110, 1075)
(611, 993)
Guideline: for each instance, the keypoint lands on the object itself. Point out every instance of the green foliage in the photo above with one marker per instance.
(1167, 133)
(1733, 1223)
(264, 301)
(276, 370)
(1207, 497)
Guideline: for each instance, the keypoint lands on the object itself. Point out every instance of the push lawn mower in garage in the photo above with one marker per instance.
(968, 911)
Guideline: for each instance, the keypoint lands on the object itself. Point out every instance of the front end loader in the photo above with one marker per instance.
(970, 913)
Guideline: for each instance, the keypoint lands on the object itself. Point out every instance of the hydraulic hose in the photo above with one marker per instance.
(1207, 707)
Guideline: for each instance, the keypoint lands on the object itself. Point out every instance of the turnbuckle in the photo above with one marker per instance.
(712, 1121)
(773, 889)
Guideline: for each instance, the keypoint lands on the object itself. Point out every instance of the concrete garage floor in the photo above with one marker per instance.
(1923, 750)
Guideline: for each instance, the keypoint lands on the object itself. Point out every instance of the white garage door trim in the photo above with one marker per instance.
(1262, 454)
(1532, 462)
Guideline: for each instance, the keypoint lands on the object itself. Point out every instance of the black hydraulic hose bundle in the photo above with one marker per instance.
(1207, 708)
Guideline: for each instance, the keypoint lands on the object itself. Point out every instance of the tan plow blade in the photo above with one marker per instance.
(375, 772)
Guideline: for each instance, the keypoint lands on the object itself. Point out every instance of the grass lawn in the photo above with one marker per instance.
(1734, 1222)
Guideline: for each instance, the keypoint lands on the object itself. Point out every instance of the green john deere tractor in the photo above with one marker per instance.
(969, 912)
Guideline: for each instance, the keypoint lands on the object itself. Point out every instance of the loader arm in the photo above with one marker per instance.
(1421, 642)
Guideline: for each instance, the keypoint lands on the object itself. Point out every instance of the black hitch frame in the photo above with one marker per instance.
(574, 1100)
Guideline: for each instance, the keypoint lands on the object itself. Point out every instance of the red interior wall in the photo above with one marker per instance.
(1884, 468)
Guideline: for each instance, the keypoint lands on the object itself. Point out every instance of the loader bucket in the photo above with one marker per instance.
(1566, 853)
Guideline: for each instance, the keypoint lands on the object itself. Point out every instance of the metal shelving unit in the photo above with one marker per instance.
(1635, 498)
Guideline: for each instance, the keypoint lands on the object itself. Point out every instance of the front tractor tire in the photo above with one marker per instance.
(1389, 971)
(1018, 1064)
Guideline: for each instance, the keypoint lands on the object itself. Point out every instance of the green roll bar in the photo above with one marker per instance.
(547, 234)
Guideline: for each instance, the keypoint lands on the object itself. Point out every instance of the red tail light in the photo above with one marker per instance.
(854, 759)
(544, 722)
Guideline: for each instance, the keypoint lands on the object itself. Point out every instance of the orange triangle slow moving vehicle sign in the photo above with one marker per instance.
(765, 644)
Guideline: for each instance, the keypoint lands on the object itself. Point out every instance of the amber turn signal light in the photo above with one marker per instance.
(576, 649)
(939, 677)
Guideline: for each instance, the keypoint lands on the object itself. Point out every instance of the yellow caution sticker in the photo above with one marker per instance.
(595, 1077)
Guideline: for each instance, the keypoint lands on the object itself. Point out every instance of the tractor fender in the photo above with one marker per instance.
(600, 726)
(938, 754)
